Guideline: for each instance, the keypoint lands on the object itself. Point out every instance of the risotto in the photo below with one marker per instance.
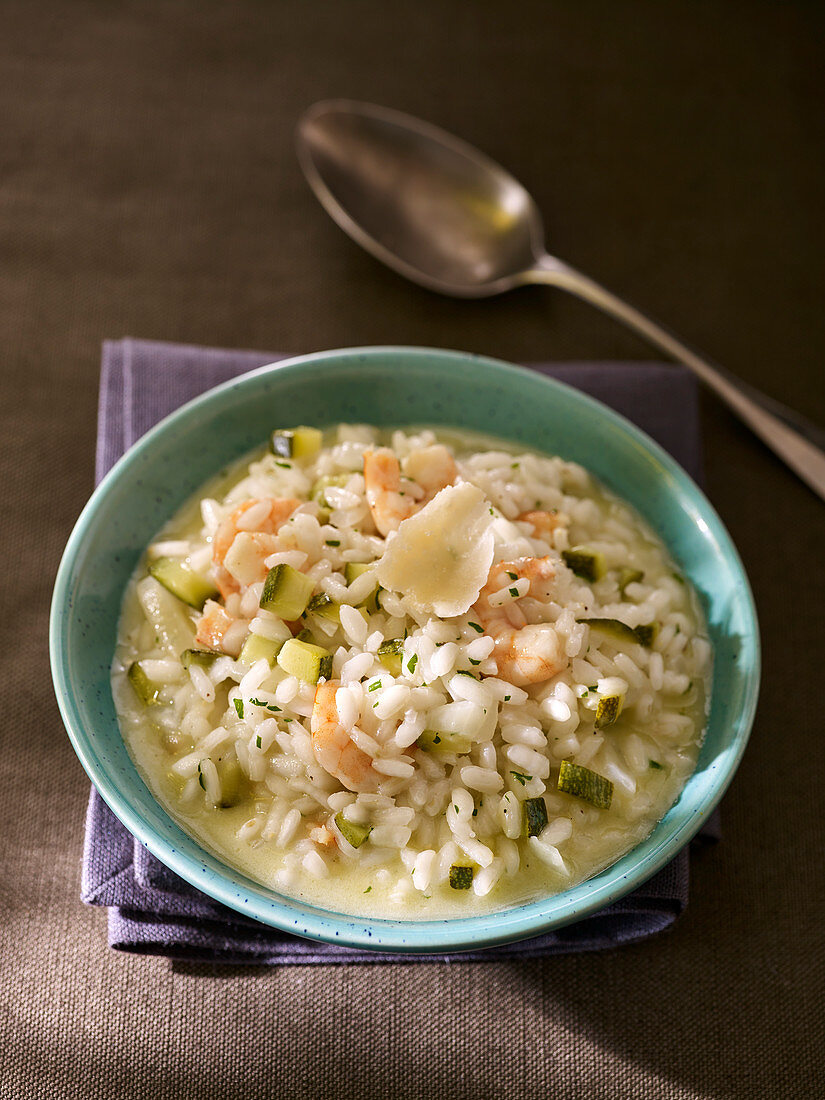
(411, 673)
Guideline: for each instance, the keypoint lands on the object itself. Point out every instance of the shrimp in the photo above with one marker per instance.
(215, 630)
(257, 534)
(525, 653)
(544, 523)
(334, 749)
(430, 469)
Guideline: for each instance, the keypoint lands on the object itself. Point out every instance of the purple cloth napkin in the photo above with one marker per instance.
(153, 911)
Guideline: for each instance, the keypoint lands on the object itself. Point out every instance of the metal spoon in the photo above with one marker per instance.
(438, 211)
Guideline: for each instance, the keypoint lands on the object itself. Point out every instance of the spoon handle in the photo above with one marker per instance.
(794, 439)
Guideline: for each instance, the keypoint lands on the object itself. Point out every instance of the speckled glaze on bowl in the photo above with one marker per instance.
(389, 386)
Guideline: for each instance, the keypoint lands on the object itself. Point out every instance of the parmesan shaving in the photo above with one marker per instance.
(440, 558)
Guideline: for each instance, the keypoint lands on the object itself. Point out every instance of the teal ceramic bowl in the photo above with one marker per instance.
(389, 386)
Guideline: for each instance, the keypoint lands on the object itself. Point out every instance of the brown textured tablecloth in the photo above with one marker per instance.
(148, 186)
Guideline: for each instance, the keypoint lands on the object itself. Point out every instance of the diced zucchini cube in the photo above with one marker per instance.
(585, 563)
(444, 741)
(255, 647)
(617, 631)
(628, 576)
(461, 876)
(325, 606)
(308, 662)
(296, 443)
(352, 571)
(612, 629)
(646, 633)
(583, 783)
(608, 709)
(352, 832)
(534, 816)
(182, 581)
(203, 658)
(286, 592)
(390, 654)
(145, 689)
(231, 779)
(318, 492)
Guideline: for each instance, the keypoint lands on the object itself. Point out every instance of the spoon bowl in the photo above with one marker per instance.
(444, 215)
(425, 203)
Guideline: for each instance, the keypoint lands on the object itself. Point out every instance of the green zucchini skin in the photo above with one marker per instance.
(325, 606)
(461, 876)
(587, 564)
(534, 816)
(585, 784)
(617, 631)
(608, 710)
(203, 658)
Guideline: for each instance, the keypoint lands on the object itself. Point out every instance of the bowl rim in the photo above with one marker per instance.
(197, 866)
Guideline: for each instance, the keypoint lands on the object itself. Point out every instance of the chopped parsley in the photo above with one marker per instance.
(466, 672)
(239, 707)
(514, 593)
(472, 662)
(284, 465)
(374, 686)
(413, 661)
(507, 698)
(520, 777)
(654, 764)
(367, 889)
(478, 629)
(267, 706)
(258, 740)
(512, 576)
(333, 542)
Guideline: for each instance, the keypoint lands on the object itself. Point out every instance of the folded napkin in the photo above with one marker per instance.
(153, 911)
